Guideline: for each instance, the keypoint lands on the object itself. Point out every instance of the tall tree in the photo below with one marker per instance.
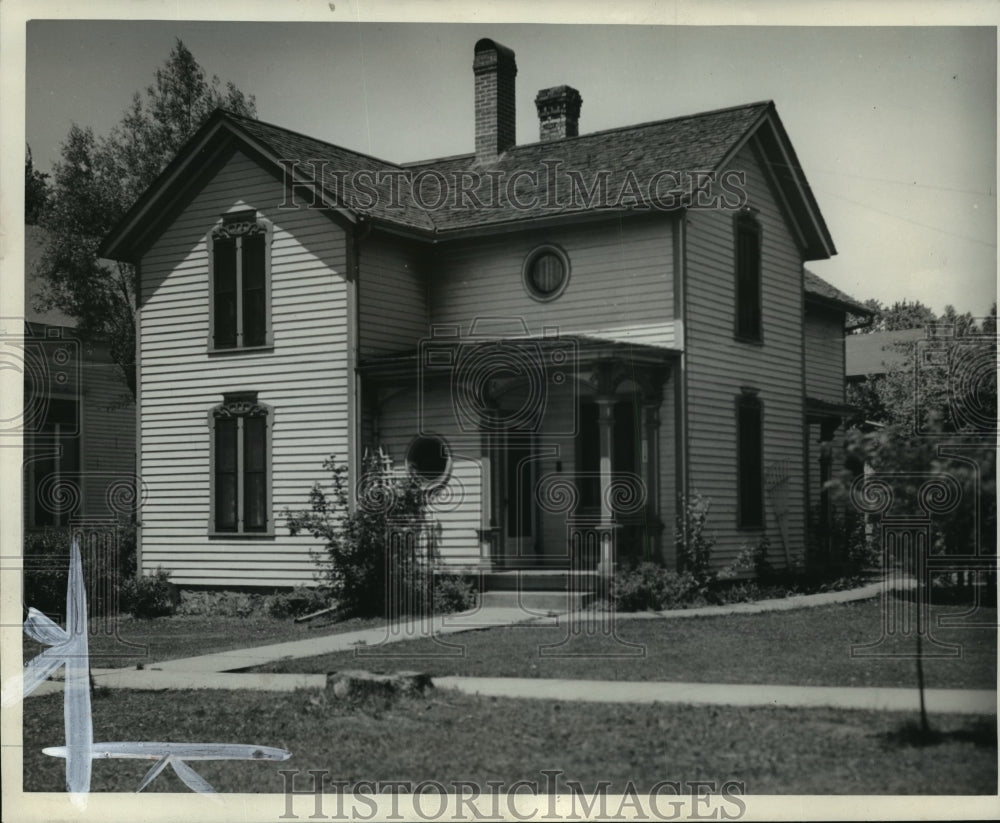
(98, 179)
(935, 411)
(36, 191)
(903, 314)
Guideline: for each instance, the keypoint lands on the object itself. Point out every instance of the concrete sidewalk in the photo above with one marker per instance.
(485, 618)
(348, 641)
(944, 701)
(939, 701)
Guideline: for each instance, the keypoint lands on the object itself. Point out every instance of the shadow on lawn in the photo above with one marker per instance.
(982, 733)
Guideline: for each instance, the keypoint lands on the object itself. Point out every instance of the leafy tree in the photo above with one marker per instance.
(935, 412)
(98, 179)
(36, 191)
(903, 314)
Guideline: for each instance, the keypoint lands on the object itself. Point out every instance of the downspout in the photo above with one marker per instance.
(359, 233)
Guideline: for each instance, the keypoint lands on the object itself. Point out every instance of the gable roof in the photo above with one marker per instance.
(819, 291)
(704, 142)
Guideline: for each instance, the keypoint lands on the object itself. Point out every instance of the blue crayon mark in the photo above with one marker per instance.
(69, 647)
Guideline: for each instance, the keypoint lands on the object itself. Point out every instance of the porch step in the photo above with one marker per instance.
(525, 580)
(536, 600)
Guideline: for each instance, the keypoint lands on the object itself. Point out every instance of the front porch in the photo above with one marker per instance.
(546, 453)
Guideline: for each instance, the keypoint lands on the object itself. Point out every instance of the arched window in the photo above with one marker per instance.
(240, 263)
(241, 465)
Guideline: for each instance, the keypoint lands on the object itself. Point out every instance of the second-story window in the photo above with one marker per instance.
(748, 277)
(240, 254)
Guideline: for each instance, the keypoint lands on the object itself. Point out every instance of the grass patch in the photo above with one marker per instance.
(801, 647)
(167, 638)
(447, 736)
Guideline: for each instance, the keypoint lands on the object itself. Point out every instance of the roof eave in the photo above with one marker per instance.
(218, 136)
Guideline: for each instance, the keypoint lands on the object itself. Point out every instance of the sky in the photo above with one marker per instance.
(894, 127)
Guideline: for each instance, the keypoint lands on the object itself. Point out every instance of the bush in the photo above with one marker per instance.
(383, 539)
(46, 567)
(149, 596)
(694, 541)
(299, 601)
(650, 586)
(453, 593)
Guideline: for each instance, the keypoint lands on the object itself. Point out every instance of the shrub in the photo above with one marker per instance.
(299, 601)
(694, 541)
(149, 596)
(46, 566)
(383, 539)
(453, 593)
(650, 586)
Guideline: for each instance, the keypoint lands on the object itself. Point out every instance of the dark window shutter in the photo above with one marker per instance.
(254, 285)
(751, 463)
(226, 481)
(224, 293)
(748, 280)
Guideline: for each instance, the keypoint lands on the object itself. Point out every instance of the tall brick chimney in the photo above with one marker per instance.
(495, 71)
(558, 113)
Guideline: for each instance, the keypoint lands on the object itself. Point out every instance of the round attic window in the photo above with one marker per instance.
(546, 272)
(429, 458)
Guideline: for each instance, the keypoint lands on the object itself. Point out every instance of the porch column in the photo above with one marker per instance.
(651, 471)
(606, 422)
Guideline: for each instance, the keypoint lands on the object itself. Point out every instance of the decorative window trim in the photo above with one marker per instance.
(236, 226)
(749, 399)
(443, 477)
(526, 280)
(746, 221)
(240, 406)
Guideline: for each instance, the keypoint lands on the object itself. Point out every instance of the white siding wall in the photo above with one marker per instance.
(304, 379)
(718, 365)
(825, 355)
(107, 453)
(621, 281)
(392, 296)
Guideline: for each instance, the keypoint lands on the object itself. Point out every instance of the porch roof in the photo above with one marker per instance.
(817, 409)
(584, 348)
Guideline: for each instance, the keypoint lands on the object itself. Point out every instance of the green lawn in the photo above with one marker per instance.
(801, 647)
(446, 737)
(165, 638)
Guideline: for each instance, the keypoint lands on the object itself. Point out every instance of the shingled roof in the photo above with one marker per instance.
(819, 290)
(541, 173)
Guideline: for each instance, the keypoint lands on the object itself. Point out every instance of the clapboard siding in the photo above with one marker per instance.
(304, 379)
(824, 332)
(718, 366)
(107, 455)
(620, 287)
(457, 509)
(392, 296)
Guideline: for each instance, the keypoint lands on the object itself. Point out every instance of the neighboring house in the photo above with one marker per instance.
(826, 347)
(561, 361)
(875, 353)
(79, 423)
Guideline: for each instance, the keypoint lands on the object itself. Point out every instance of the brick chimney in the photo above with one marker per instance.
(495, 71)
(558, 113)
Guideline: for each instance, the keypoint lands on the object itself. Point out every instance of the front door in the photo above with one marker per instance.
(517, 468)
